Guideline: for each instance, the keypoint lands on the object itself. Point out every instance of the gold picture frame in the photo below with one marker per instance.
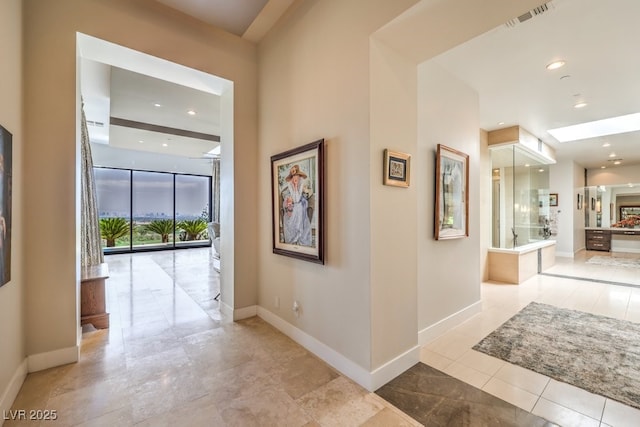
(397, 168)
(452, 194)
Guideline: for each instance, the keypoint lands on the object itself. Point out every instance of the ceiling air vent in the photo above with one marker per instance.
(529, 14)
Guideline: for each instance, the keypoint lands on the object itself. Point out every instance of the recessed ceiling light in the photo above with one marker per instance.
(603, 167)
(155, 104)
(540, 170)
(500, 123)
(612, 155)
(610, 126)
(617, 162)
(141, 142)
(606, 144)
(192, 112)
(527, 165)
(555, 65)
(165, 145)
(580, 104)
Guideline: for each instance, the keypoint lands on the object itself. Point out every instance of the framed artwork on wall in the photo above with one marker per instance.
(452, 194)
(553, 199)
(297, 187)
(397, 168)
(5, 205)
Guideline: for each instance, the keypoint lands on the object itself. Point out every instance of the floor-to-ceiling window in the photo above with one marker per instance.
(141, 210)
(193, 208)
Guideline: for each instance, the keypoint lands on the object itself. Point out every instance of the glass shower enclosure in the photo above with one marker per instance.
(520, 197)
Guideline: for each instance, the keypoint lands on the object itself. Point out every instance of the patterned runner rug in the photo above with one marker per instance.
(614, 261)
(596, 353)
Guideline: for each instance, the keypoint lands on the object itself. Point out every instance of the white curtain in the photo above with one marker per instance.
(215, 183)
(91, 252)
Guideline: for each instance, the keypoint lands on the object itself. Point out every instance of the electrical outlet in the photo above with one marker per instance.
(296, 308)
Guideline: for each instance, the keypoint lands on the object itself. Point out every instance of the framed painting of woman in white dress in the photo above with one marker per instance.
(297, 184)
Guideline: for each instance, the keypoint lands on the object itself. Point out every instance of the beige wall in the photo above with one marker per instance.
(449, 270)
(314, 83)
(619, 175)
(337, 75)
(394, 213)
(12, 343)
(320, 76)
(51, 141)
(566, 179)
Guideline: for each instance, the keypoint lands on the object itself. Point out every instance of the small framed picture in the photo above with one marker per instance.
(397, 168)
(553, 199)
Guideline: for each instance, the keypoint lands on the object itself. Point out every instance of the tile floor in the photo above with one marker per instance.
(170, 358)
(555, 401)
(437, 399)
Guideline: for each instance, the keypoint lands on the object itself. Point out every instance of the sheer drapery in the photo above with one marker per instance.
(215, 183)
(91, 251)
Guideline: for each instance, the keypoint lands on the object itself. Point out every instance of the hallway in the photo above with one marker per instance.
(170, 358)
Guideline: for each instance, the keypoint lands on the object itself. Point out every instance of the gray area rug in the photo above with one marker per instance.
(614, 261)
(595, 353)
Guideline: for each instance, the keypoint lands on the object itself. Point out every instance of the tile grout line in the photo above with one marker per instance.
(587, 279)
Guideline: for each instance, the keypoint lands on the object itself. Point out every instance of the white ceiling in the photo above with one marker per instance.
(506, 66)
(234, 16)
(597, 39)
(111, 87)
(249, 19)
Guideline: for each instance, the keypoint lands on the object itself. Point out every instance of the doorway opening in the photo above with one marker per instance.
(163, 125)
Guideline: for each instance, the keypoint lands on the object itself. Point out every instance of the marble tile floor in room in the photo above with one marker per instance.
(170, 358)
(557, 402)
(577, 266)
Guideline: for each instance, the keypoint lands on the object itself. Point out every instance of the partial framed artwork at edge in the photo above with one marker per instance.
(5, 205)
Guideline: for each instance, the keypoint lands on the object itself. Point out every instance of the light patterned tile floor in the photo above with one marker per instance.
(557, 402)
(170, 358)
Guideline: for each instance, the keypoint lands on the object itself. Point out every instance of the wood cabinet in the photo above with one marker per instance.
(598, 240)
(92, 296)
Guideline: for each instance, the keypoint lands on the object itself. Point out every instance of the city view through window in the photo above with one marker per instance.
(142, 210)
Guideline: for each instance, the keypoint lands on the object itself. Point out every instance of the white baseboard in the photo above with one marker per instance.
(50, 359)
(369, 380)
(432, 332)
(10, 393)
(238, 313)
(382, 375)
(226, 310)
(245, 312)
